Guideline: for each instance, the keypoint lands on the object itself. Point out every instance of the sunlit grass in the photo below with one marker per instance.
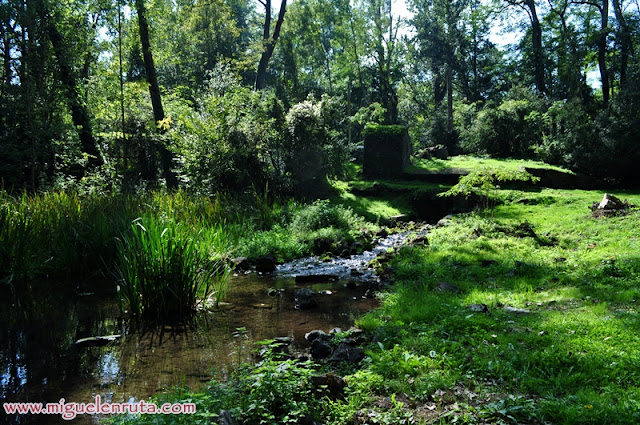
(466, 162)
(570, 356)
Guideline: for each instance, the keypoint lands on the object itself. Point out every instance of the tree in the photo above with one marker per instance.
(79, 112)
(623, 39)
(166, 157)
(440, 40)
(529, 6)
(603, 8)
(384, 48)
(268, 41)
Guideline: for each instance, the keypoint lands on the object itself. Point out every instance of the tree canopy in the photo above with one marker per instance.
(212, 94)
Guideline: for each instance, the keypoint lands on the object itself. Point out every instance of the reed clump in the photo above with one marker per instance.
(163, 272)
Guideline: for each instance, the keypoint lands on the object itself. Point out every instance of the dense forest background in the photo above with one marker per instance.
(215, 95)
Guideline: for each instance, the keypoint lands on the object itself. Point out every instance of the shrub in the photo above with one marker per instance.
(482, 182)
(321, 214)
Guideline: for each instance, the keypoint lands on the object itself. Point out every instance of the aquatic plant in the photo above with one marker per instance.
(162, 272)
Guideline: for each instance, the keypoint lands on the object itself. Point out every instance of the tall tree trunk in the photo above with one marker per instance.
(79, 113)
(602, 50)
(166, 157)
(449, 76)
(626, 43)
(268, 41)
(538, 53)
(26, 81)
(356, 55)
(6, 57)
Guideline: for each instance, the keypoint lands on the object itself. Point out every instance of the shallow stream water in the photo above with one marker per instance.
(39, 362)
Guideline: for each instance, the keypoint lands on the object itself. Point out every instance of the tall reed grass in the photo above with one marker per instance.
(65, 235)
(162, 271)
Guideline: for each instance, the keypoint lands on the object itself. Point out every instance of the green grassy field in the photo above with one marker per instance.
(466, 162)
(569, 355)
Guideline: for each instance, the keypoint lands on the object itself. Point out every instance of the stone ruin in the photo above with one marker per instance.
(386, 152)
(610, 206)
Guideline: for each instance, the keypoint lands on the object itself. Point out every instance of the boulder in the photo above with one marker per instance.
(316, 334)
(240, 264)
(305, 299)
(610, 206)
(320, 349)
(266, 264)
(346, 353)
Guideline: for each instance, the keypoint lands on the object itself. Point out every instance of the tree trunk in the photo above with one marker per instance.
(625, 41)
(602, 51)
(79, 113)
(166, 157)
(449, 99)
(538, 53)
(268, 42)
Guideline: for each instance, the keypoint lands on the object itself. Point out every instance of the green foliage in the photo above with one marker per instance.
(225, 142)
(510, 129)
(317, 228)
(383, 132)
(483, 182)
(316, 144)
(63, 235)
(162, 274)
(278, 241)
(322, 214)
(275, 391)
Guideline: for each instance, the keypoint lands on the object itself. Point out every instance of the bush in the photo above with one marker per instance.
(321, 214)
(317, 144)
(228, 141)
(570, 137)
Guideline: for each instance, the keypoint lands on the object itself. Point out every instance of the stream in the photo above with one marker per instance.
(40, 363)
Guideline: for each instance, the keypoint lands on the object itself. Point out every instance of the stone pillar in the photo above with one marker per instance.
(386, 151)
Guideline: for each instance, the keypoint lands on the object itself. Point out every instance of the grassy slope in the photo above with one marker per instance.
(466, 162)
(573, 359)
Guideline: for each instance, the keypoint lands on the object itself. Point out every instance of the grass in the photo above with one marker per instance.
(572, 358)
(64, 235)
(466, 162)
